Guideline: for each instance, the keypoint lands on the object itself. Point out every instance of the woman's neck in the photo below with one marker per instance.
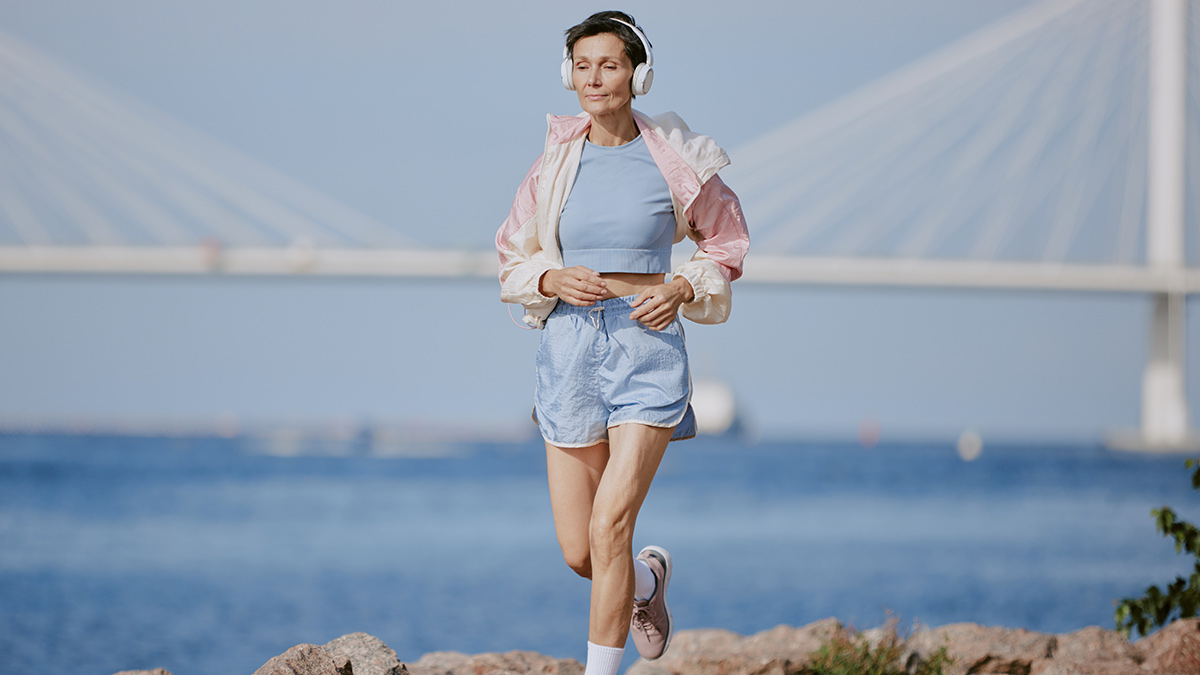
(612, 130)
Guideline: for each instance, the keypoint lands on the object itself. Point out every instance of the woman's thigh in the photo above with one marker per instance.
(574, 475)
(635, 452)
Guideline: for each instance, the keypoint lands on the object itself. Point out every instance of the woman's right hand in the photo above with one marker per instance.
(577, 285)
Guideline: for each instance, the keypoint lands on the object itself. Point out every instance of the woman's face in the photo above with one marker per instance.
(602, 74)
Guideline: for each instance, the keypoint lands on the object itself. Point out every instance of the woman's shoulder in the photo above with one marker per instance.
(701, 152)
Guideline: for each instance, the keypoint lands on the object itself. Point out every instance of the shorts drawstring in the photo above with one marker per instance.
(594, 316)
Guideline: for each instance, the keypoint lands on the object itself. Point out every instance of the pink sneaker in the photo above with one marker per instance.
(651, 625)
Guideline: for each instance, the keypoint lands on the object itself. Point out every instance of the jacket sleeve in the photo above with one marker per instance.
(719, 230)
(522, 260)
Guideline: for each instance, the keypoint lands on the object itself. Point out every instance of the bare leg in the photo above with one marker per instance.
(574, 474)
(635, 451)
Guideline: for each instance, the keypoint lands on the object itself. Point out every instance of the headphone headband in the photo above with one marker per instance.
(641, 36)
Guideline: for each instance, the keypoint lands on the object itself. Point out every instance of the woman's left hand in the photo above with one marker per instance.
(657, 306)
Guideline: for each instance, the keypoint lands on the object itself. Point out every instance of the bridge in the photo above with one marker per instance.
(1054, 150)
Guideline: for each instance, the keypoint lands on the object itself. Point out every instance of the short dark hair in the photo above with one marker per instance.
(602, 22)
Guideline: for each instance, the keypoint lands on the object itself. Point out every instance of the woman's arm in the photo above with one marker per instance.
(719, 229)
(522, 260)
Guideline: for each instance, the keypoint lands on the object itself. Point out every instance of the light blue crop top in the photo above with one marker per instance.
(618, 217)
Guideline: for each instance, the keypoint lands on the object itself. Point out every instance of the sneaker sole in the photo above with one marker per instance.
(666, 558)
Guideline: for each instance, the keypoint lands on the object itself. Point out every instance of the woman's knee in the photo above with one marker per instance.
(580, 564)
(577, 555)
(610, 534)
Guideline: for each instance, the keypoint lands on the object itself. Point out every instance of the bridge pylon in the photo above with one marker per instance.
(1164, 422)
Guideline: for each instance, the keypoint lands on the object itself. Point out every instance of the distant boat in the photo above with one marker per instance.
(716, 409)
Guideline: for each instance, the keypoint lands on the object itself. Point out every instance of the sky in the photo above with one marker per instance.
(425, 116)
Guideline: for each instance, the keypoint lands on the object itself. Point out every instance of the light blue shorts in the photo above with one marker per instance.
(597, 368)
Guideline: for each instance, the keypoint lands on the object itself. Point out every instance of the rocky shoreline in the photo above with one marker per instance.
(1174, 650)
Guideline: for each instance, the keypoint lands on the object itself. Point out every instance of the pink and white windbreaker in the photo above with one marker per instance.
(706, 210)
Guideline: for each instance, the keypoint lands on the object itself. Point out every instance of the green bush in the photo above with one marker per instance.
(851, 653)
(1181, 600)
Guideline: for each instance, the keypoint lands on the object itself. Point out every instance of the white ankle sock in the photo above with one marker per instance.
(644, 582)
(603, 660)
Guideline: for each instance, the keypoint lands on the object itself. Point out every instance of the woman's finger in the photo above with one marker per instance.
(658, 318)
(589, 284)
(658, 325)
(650, 311)
(641, 312)
(581, 290)
(586, 276)
(646, 303)
(641, 298)
(580, 299)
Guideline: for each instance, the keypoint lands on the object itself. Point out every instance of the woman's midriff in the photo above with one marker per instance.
(621, 284)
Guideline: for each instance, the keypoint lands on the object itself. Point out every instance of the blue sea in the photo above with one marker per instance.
(210, 556)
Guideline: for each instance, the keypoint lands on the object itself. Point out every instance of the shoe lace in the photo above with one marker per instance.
(642, 619)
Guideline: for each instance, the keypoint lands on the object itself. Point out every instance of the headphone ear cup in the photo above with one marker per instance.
(566, 69)
(643, 77)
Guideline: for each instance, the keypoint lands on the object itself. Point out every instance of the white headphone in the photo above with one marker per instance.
(643, 74)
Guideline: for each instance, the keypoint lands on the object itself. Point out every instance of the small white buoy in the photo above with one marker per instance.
(970, 446)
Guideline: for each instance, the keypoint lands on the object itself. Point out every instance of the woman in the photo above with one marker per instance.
(585, 249)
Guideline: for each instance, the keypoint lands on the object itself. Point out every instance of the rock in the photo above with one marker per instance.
(1094, 644)
(300, 660)
(783, 650)
(642, 667)
(1091, 651)
(976, 650)
(1052, 667)
(362, 654)
(508, 663)
(981, 649)
(1173, 650)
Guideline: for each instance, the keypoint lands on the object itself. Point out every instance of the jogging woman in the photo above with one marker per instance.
(586, 249)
